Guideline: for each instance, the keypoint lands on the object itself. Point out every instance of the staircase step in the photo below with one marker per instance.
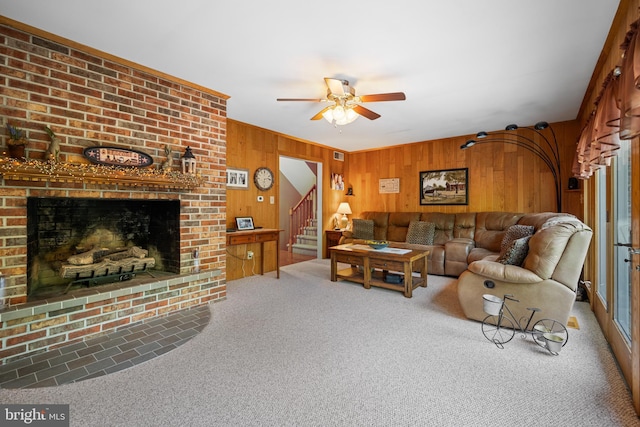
(311, 230)
(307, 239)
(302, 249)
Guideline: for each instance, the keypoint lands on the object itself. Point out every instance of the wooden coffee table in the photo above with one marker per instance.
(375, 262)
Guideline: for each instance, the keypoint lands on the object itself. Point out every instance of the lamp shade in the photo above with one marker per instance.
(344, 208)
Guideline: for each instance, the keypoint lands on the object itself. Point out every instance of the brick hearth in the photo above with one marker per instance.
(89, 99)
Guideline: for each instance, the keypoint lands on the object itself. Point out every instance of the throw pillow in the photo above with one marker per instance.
(516, 252)
(421, 232)
(363, 229)
(515, 232)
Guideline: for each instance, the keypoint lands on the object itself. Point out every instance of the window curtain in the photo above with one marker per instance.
(599, 139)
(617, 112)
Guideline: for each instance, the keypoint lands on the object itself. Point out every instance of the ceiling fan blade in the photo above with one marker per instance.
(393, 96)
(319, 115)
(365, 112)
(336, 86)
(301, 99)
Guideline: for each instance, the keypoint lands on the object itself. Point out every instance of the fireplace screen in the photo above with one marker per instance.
(76, 243)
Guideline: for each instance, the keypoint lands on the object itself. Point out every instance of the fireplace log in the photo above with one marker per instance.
(97, 255)
(106, 266)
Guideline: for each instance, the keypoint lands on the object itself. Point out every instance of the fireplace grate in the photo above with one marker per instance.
(92, 280)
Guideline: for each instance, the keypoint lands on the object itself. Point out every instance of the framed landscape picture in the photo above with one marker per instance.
(444, 187)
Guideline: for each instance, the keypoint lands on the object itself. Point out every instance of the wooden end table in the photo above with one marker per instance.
(333, 239)
(375, 262)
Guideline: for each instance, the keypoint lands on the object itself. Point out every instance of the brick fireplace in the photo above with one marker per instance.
(95, 235)
(89, 99)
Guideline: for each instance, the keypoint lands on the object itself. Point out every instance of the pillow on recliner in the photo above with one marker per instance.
(515, 232)
(516, 252)
(421, 232)
(362, 229)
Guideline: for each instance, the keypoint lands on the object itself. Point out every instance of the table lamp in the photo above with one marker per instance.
(345, 210)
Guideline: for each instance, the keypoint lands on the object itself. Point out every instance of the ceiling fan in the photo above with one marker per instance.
(346, 104)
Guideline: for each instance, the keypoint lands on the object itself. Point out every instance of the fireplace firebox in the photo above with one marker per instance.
(61, 231)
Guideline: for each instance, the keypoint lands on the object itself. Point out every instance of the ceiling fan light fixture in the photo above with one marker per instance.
(346, 106)
(339, 115)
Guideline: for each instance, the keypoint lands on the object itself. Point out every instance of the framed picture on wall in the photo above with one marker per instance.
(444, 187)
(337, 181)
(238, 178)
(244, 223)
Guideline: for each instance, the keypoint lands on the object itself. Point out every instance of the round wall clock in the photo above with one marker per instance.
(263, 178)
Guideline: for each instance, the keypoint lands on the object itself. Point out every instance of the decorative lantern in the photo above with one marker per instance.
(188, 162)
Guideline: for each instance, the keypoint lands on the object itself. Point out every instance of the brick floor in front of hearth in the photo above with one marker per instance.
(107, 353)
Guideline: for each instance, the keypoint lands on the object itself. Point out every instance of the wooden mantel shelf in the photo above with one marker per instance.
(37, 171)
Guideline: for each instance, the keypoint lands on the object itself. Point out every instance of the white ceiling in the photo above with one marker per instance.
(464, 65)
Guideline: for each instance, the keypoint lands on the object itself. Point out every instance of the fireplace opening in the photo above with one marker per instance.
(77, 243)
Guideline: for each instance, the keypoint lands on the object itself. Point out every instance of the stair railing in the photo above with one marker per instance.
(302, 215)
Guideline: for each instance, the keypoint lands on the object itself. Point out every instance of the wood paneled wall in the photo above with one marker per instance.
(502, 178)
(251, 147)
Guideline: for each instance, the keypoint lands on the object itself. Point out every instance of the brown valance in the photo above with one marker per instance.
(628, 88)
(599, 140)
(617, 112)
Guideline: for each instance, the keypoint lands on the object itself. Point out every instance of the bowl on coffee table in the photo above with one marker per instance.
(378, 244)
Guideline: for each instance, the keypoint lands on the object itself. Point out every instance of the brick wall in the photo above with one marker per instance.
(89, 98)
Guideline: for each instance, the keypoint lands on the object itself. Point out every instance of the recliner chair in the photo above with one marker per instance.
(547, 279)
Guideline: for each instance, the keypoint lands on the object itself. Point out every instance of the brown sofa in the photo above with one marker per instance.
(468, 245)
(460, 238)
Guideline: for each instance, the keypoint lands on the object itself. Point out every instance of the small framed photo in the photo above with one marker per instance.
(244, 223)
(337, 181)
(238, 178)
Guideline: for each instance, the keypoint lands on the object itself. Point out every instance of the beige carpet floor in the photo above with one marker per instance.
(304, 351)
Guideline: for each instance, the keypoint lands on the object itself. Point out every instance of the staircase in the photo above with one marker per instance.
(307, 242)
(303, 225)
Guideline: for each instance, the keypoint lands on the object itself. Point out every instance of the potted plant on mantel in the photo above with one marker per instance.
(17, 142)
